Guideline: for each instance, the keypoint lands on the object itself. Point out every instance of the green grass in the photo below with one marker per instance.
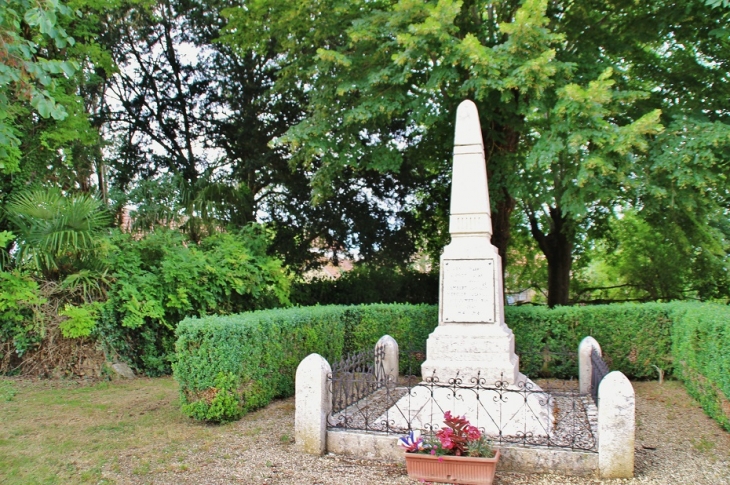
(7, 390)
(59, 432)
(703, 445)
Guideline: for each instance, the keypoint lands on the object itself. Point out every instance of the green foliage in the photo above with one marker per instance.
(7, 390)
(163, 278)
(80, 320)
(63, 150)
(701, 350)
(223, 406)
(6, 237)
(58, 233)
(27, 73)
(18, 295)
(527, 268)
(572, 116)
(662, 258)
(633, 337)
(263, 349)
(368, 285)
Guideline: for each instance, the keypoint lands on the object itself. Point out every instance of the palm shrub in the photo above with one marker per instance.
(58, 234)
(60, 240)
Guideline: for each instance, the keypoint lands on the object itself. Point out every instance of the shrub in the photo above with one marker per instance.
(263, 349)
(220, 404)
(163, 278)
(368, 285)
(80, 320)
(701, 350)
(633, 337)
(19, 328)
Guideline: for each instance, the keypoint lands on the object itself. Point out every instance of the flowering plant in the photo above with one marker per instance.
(458, 438)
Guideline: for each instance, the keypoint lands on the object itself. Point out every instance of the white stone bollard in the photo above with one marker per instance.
(389, 370)
(313, 403)
(585, 367)
(616, 418)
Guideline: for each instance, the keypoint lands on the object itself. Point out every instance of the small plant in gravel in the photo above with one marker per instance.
(458, 438)
(703, 445)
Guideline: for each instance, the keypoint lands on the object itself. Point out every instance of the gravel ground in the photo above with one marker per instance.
(675, 444)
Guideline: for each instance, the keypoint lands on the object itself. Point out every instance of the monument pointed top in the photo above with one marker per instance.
(468, 129)
(470, 213)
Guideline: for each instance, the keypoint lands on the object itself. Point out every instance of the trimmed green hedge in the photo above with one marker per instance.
(633, 337)
(229, 365)
(701, 351)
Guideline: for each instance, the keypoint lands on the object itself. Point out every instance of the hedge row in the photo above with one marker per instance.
(690, 341)
(229, 365)
(366, 285)
(701, 351)
(633, 337)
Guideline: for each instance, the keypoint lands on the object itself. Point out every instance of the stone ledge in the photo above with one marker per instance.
(514, 458)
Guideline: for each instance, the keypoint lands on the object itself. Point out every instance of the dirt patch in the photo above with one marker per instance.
(55, 356)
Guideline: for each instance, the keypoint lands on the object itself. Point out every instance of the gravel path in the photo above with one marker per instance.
(676, 444)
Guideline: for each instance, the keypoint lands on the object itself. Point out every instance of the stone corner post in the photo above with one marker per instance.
(313, 399)
(389, 370)
(585, 367)
(616, 418)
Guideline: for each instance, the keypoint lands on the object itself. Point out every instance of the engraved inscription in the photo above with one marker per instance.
(467, 291)
(470, 223)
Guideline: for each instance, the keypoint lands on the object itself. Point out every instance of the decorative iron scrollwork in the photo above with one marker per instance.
(524, 412)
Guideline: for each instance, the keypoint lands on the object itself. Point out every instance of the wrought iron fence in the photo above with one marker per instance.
(599, 369)
(548, 413)
(356, 376)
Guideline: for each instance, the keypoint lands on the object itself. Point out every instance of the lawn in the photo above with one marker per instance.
(66, 431)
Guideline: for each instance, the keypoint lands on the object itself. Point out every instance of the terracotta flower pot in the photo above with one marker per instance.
(462, 470)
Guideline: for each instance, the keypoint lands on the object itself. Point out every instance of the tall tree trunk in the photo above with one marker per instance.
(501, 226)
(558, 249)
(505, 203)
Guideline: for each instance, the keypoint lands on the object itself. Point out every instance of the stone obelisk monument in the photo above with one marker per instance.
(471, 336)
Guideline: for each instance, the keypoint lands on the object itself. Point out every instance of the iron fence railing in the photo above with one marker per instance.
(599, 369)
(549, 413)
(356, 376)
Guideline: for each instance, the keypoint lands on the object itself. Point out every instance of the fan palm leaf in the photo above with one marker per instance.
(53, 227)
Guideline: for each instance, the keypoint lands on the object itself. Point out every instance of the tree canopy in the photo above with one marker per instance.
(331, 121)
(570, 111)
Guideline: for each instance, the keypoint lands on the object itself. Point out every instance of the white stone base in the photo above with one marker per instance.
(513, 458)
(487, 350)
(505, 412)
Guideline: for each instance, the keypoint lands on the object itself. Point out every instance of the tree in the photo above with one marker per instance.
(30, 72)
(386, 79)
(193, 126)
(640, 260)
(48, 98)
(388, 76)
(582, 162)
(679, 57)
